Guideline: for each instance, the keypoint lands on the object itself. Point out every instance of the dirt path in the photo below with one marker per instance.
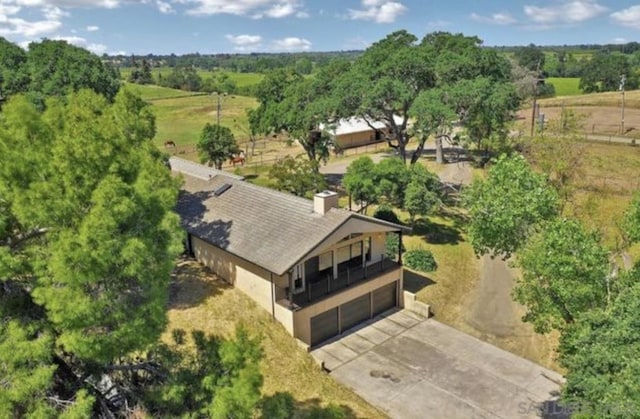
(489, 310)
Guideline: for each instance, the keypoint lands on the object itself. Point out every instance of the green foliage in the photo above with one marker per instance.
(183, 78)
(278, 406)
(57, 68)
(386, 213)
(13, 72)
(530, 57)
(212, 377)
(505, 208)
(420, 260)
(603, 71)
(359, 180)
(392, 245)
(391, 180)
(564, 274)
(600, 353)
(298, 176)
(86, 217)
(216, 145)
(383, 82)
(141, 73)
(631, 223)
(289, 102)
(419, 200)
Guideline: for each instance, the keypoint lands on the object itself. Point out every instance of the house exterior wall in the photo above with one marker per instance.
(250, 278)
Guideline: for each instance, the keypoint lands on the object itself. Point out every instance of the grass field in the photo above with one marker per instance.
(612, 99)
(199, 300)
(241, 79)
(180, 116)
(565, 86)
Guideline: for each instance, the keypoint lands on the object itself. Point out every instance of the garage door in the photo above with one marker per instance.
(324, 326)
(384, 298)
(355, 312)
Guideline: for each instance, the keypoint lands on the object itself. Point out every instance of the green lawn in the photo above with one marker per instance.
(565, 86)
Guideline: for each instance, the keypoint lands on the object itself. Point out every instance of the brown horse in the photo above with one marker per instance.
(170, 143)
(237, 160)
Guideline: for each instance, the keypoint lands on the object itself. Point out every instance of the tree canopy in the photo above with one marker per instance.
(507, 206)
(216, 145)
(564, 274)
(86, 218)
(53, 68)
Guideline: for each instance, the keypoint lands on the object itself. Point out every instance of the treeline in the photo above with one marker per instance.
(304, 62)
(53, 68)
(187, 78)
(603, 70)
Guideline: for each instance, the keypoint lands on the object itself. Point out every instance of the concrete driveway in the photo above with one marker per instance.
(415, 368)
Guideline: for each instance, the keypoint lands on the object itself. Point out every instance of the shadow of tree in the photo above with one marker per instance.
(284, 406)
(192, 210)
(415, 282)
(437, 233)
(191, 284)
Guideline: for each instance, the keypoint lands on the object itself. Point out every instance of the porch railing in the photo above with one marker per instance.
(326, 284)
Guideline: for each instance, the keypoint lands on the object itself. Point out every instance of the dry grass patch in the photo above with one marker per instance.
(200, 300)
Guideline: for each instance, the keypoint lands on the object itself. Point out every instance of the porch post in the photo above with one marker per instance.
(400, 247)
(290, 290)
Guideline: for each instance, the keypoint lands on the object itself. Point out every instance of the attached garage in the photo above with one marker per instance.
(333, 322)
(324, 326)
(384, 298)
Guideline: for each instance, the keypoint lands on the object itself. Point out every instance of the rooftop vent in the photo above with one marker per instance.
(222, 189)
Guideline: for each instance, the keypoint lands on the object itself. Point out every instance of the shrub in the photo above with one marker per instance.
(420, 259)
(386, 213)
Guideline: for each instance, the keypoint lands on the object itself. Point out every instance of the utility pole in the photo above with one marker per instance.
(535, 98)
(218, 107)
(623, 79)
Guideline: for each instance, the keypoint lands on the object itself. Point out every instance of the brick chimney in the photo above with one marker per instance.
(324, 201)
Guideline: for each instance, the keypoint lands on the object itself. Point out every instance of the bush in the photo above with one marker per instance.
(386, 213)
(420, 259)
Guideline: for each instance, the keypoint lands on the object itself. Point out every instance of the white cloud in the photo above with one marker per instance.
(379, 11)
(18, 26)
(164, 7)
(495, 19)
(628, 17)
(245, 42)
(291, 44)
(92, 28)
(619, 41)
(78, 41)
(254, 8)
(566, 12)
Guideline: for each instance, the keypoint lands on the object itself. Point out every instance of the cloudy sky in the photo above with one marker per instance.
(211, 26)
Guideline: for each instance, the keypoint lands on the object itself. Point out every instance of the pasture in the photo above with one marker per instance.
(565, 86)
(241, 79)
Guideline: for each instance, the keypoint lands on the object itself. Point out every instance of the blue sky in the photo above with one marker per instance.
(213, 26)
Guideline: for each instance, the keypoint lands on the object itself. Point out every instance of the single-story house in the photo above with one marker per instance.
(319, 270)
(355, 132)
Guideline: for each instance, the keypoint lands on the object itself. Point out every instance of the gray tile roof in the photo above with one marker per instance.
(272, 229)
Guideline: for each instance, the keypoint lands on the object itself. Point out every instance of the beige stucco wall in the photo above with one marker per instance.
(249, 278)
(302, 317)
